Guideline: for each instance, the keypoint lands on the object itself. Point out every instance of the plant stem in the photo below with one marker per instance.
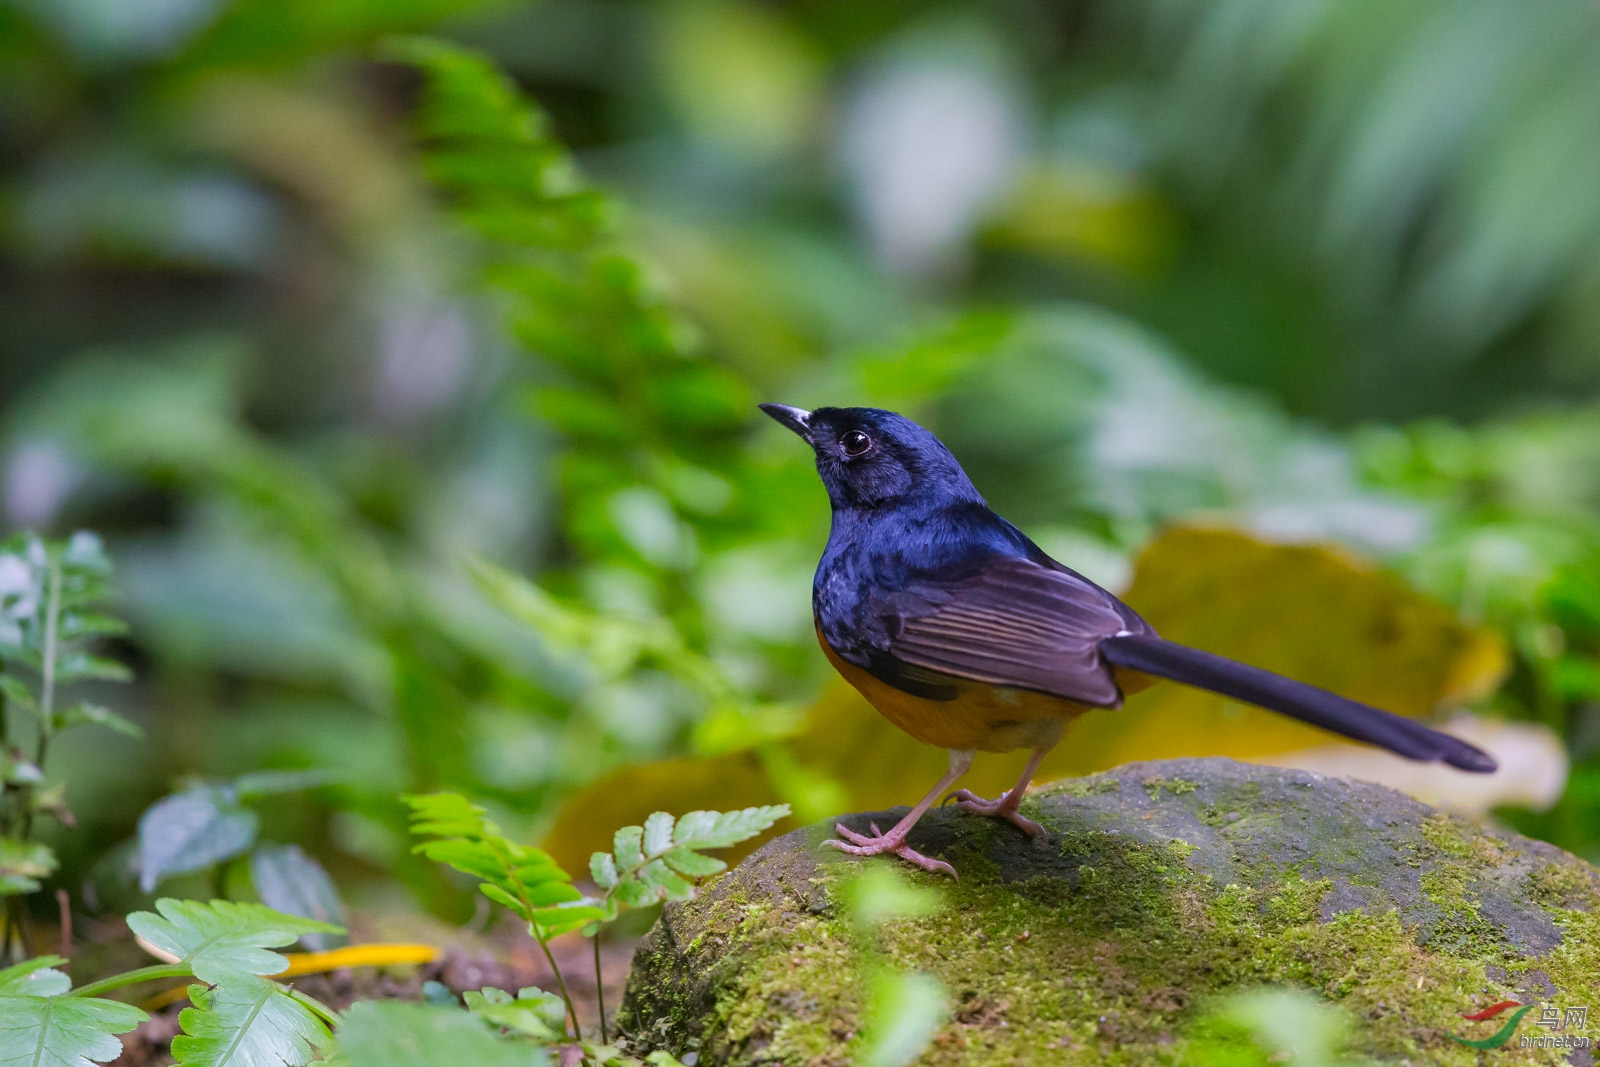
(47, 690)
(143, 974)
(599, 984)
(533, 931)
(329, 1016)
(561, 983)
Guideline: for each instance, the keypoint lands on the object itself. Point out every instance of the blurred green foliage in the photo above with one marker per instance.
(333, 333)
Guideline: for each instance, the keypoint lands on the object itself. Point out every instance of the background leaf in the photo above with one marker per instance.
(288, 880)
(190, 831)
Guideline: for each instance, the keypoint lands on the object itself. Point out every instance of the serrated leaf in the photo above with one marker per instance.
(222, 938)
(477, 858)
(35, 978)
(627, 847)
(245, 1021)
(657, 833)
(710, 829)
(603, 869)
(63, 1031)
(500, 896)
(687, 861)
(565, 918)
(448, 815)
(95, 715)
(532, 1012)
(634, 893)
(667, 885)
(22, 864)
(190, 831)
(292, 882)
(393, 1033)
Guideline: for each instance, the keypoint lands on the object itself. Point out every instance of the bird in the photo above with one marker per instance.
(965, 634)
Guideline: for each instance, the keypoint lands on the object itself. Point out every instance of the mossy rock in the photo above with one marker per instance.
(1161, 886)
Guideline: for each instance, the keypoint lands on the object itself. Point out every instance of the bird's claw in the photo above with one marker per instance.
(967, 800)
(878, 844)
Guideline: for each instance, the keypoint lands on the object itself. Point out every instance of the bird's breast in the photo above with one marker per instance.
(980, 716)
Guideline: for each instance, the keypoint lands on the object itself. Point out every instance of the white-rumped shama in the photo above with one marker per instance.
(963, 633)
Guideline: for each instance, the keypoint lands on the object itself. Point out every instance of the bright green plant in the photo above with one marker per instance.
(51, 596)
(659, 861)
(239, 1018)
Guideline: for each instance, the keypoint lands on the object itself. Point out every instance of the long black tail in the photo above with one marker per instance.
(1307, 703)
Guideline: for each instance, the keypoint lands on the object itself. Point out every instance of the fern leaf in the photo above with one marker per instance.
(244, 1021)
(656, 861)
(521, 878)
(222, 939)
(60, 1031)
(710, 829)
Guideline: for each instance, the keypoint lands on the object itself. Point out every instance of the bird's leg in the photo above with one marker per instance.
(895, 840)
(1006, 806)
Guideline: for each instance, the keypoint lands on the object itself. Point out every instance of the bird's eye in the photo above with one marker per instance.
(855, 443)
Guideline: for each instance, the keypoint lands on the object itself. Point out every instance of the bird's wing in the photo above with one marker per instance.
(1015, 623)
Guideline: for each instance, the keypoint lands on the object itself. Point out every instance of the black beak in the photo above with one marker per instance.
(797, 419)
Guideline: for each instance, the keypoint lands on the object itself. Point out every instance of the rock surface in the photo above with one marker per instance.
(1161, 885)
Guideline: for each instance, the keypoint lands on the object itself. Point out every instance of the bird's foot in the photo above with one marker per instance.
(879, 843)
(1004, 808)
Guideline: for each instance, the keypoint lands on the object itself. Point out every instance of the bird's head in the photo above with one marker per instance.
(871, 458)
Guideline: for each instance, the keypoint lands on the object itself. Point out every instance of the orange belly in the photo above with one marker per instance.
(985, 717)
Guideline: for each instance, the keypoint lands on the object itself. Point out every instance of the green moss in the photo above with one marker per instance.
(1176, 786)
(1112, 952)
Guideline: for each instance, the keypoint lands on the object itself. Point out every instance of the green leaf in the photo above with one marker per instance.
(16, 691)
(63, 1031)
(81, 666)
(22, 864)
(603, 869)
(711, 829)
(222, 938)
(245, 1021)
(520, 877)
(448, 815)
(628, 847)
(687, 861)
(533, 1011)
(565, 918)
(292, 882)
(657, 833)
(190, 831)
(35, 978)
(500, 896)
(907, 1010)
(667, 885)
(395, 1033)
(95, 715)
(635, 894)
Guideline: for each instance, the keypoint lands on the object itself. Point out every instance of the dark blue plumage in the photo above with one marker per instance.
(964, 633)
